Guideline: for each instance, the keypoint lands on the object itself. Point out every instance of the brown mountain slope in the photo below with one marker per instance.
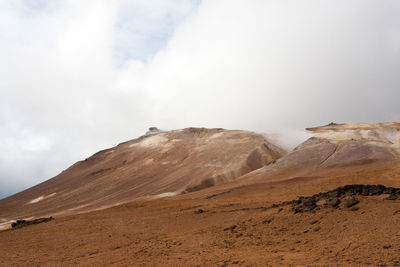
(332, 148)
(338, 145)
(236, 222)
(156, 165)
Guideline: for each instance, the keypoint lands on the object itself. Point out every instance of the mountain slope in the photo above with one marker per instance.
(282, 214)
(199, 162)
(240, 228)
(155, 165)
(345, 148)
(338, 145)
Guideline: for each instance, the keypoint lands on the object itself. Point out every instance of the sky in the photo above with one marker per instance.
(80, 76)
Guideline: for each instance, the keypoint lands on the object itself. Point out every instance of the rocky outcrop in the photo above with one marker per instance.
(22, 223)
(347, 193)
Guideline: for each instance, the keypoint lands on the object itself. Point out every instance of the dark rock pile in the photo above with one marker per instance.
(333, 198)
(351, 202)
(23, 223)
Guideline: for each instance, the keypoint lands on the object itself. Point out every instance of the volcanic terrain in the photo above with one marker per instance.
(158, 164)
(214, 197)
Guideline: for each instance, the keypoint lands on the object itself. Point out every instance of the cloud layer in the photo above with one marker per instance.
(81, 76)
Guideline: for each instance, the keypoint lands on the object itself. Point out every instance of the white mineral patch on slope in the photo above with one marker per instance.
(148, 161)
(216, 135)
(36, 200)
(5, 225)
(342, 135)
(166, 194)
(151, 141)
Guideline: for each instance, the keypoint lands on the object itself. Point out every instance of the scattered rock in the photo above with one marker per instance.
(387, 246)
(94, 252)
(309, 204)
(333, 198)
(333, 194)
(354, 208)
(365, 192)
(238, 235)
(333, 202)
(305, 204)
(358, 189)
(233, 227)
(18, 223)
(316, 229)
(351, 202)
(376, 190)
(23, 223)
(199, 211)
(314, 222)
(267, 221)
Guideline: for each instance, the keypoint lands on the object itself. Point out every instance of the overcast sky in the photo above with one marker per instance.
(80, 76)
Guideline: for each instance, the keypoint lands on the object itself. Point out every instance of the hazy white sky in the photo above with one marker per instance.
(80, 76)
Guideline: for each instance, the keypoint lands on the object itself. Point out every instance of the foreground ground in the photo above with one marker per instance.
(238, 227)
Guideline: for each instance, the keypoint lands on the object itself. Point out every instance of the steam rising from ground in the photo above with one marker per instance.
(289, 139)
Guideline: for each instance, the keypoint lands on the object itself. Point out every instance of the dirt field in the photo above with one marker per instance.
(237, 227)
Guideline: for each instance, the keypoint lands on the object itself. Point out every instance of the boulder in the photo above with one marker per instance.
(333, 202)
(351, 202)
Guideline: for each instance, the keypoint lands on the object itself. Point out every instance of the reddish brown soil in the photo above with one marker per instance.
(172, 232)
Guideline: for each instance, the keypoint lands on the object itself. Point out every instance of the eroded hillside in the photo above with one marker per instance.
(340, 148)
(156, 165)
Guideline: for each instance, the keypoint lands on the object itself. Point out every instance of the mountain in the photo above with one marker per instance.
(333, 148)
(214, 197)
(340, 145)
(158, 164)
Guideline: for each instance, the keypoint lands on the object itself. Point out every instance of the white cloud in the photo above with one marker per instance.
(143, 27)
(79, 76)
(64, 94)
